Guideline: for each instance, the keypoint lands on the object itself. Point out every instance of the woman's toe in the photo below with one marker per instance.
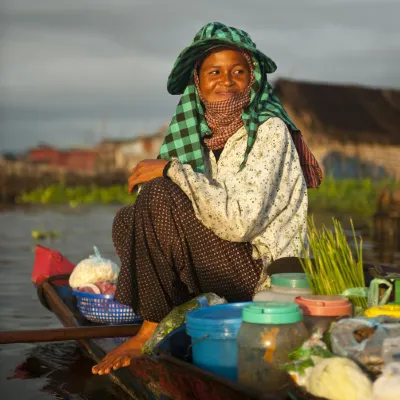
(117, 365)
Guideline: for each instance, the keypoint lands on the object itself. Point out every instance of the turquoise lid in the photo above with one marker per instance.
(292, 280)
(272, 313)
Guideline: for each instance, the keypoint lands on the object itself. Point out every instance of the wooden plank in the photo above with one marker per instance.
(62, 334)
(58, 306)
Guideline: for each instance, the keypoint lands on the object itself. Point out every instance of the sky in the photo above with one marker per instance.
(73, 72)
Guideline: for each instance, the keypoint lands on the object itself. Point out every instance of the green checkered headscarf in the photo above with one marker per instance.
(188, 125)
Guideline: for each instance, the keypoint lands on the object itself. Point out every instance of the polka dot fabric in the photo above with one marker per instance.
(168, 256)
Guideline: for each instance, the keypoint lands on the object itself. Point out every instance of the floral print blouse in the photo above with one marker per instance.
(265, 203)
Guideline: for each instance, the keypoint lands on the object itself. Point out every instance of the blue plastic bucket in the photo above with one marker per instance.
(214, 331)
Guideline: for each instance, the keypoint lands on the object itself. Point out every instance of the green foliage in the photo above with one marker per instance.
(333, 269)
(358, 197)
(42, 235)
(79, 195)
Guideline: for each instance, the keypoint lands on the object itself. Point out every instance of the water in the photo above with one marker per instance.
(51, 370)
(60, 370)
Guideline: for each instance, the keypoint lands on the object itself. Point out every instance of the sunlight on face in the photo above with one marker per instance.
(223, 74)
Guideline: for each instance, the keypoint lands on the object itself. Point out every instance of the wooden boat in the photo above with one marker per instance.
(169, 373)
(165, 375)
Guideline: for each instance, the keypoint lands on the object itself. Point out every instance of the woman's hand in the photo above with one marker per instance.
(145, 171)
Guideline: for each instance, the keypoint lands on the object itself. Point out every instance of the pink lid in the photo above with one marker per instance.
(324, 306)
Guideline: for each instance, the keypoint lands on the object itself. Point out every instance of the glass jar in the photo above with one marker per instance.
(285, 288)
(269, 332)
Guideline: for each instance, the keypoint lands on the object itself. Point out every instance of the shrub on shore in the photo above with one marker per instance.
(357, 197)
(78, 195)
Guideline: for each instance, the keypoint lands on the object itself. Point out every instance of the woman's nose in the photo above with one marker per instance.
(227, 79)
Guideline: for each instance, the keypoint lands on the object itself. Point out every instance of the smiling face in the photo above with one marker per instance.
(223, 74)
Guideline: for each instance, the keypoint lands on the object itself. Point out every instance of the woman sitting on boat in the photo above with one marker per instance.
(226, 196)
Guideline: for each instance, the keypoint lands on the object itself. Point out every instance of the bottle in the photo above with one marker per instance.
(269, 332)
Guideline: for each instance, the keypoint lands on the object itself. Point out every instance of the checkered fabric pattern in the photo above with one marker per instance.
(212, 35)
(224, 117)
(189, 127)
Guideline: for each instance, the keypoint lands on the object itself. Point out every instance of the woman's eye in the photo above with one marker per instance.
(214, 72)
(239, 71)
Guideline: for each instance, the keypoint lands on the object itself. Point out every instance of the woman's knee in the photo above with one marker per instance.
(121, 219)
(157, 190)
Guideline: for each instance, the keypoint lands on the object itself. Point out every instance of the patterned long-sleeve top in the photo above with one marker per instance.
(265, 203)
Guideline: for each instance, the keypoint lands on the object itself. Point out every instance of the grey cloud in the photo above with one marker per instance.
(66, 66)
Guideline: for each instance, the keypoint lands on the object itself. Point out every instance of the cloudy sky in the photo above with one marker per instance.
(72, 72)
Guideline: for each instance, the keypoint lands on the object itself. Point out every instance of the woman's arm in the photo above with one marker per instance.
(247, 201)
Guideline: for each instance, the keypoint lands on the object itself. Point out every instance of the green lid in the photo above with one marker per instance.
(292, 280)
(272, 313)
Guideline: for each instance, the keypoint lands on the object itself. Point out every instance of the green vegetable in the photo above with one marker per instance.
(303, 359)
(333, 268)
(176, 318)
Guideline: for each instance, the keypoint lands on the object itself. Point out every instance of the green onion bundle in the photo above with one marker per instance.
(333, 268)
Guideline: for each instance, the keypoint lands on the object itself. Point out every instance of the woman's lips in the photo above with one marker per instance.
(226, 94)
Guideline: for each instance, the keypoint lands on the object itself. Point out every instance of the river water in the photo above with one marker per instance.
(60, 370)
(50, 370)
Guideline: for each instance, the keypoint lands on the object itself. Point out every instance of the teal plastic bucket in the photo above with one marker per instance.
(214, 331)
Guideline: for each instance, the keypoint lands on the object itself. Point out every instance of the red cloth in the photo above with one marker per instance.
(311, 170)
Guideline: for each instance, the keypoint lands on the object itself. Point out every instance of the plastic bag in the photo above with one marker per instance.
(94, 269)
(103, 287)
(371, 293)
(338, 378)
(176, 318)
(387, 386)
(391, 350)
(305, 357)
(362, 338)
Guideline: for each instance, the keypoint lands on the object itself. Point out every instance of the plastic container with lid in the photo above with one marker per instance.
(285, 288)
(320, 311)
(213, 331)
(269, 332)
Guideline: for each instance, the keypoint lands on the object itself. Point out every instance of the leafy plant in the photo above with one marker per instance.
(333, 269)
(358, 197)
(75, 196)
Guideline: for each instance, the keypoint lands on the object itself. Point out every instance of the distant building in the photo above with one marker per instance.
(124, 154)
(144, 147)
(110, 155)
(75, 160)
(106, 154)
(353, 131)
(44, 154)
(8, 156)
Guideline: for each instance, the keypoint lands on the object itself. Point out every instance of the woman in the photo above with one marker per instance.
(227, 195)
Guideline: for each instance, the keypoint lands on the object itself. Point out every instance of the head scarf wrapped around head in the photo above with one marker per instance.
(189, 126)
(224, 118)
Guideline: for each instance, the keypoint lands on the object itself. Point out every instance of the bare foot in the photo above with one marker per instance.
(121, 356)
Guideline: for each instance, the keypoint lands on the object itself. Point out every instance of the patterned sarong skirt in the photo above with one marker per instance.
(168, 256)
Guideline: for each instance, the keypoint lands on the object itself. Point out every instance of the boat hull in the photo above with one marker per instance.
(160, 376)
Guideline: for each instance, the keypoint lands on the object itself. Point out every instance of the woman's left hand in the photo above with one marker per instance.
(145, 171)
